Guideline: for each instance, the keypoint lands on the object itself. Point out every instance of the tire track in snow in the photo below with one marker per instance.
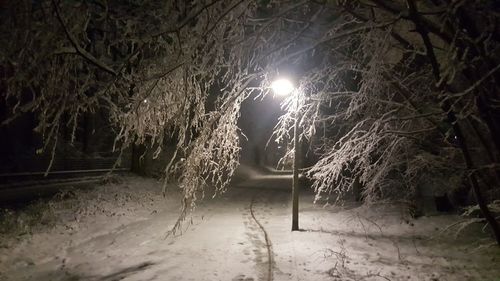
(266, 237)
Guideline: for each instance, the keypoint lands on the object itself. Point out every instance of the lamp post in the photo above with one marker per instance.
(284, 87)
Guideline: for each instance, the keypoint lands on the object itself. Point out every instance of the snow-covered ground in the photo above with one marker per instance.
(118, 232)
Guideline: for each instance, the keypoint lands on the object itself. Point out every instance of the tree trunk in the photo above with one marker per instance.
(452, 120)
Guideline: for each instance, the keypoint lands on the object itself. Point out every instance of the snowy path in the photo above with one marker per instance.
(243, 235)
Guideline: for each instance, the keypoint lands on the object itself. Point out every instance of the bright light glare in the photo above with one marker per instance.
(282, 87)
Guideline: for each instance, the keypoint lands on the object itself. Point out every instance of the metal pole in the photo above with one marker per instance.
(295, 187)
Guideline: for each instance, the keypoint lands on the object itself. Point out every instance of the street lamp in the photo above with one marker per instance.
(284, 87)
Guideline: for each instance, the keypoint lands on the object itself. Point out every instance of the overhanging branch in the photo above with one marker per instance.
(79, 50)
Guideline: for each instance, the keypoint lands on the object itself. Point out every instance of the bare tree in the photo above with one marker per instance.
(152, 65)
(420, 102)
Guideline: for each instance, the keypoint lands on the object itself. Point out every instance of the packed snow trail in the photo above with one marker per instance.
(266, 237)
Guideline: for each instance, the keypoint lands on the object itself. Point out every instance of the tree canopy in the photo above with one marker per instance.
(393, 93)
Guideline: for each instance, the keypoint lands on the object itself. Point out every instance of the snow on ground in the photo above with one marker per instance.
(118, 232)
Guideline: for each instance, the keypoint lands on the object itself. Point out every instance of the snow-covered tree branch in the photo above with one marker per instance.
(393, 93)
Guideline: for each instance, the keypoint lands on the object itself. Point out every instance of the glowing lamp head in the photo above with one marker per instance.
(282, 87)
